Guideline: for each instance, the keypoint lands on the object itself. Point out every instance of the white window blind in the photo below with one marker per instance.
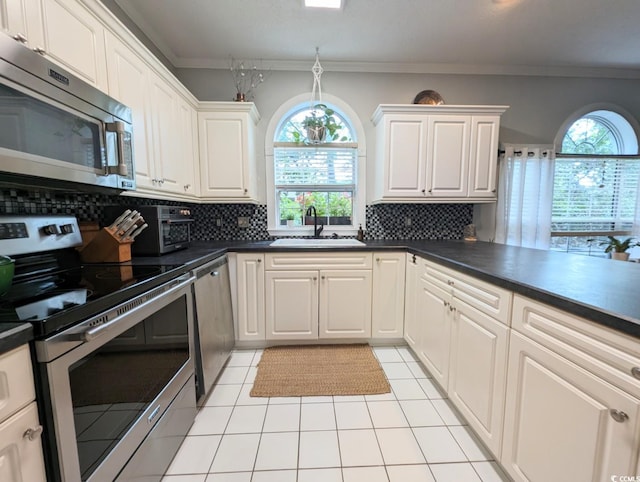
(326, 168)
(594, 194)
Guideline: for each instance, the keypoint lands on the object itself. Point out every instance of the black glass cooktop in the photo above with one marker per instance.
(62, 298)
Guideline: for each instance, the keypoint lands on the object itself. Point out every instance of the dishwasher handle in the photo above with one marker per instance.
(211, 268)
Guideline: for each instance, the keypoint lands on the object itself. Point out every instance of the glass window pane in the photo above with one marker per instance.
(332, 207)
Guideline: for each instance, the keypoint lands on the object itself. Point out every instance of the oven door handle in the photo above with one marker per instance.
(171, 287)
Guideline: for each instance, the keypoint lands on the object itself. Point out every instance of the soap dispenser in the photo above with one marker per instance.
(360, 235)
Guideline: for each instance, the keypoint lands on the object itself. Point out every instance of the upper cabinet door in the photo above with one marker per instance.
(227, 157)
(483, 155)
(72, 37)
(404, 153)
(13, 18)
(448, 155)
(129, 80)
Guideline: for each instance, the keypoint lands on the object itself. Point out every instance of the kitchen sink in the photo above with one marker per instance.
(315, 242)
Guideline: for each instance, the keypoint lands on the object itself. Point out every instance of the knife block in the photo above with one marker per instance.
(106, 248)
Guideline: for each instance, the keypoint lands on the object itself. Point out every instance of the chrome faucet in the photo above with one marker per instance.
(311, 211)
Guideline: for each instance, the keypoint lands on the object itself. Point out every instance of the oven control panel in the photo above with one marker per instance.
(33, 234)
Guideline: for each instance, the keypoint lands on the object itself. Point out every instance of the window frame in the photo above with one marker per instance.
(359, 198)
(625, 129)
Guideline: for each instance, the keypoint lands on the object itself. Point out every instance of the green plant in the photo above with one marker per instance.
(617, 246)
(323, 116)
(289, 216)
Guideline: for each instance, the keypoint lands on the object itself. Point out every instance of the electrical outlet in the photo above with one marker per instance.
(243, 221)
(407, 221)
(219, 222)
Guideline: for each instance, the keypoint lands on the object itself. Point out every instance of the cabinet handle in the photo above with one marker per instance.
(20, 38)
(413, 260)
(635, 371)
(40, 50)
(618, 415)
(32, 434)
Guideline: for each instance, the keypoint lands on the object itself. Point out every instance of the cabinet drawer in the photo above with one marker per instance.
(318, 260)
(486, 297)
(21, 456)
(611, 355)
(16, 381)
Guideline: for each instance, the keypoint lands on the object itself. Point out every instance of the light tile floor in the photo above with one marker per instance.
(410, 435)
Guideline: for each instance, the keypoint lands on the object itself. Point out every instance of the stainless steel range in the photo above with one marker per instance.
(113, 348)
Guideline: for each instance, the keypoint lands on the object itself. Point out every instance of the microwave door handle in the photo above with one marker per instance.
(121, 167)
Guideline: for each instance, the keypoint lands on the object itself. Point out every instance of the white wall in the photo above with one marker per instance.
(539, 105)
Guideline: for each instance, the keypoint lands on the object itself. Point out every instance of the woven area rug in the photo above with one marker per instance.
(297, 371)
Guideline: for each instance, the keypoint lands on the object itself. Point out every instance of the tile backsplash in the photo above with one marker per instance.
(218, 222)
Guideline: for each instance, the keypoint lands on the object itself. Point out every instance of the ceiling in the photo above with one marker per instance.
(535, 37)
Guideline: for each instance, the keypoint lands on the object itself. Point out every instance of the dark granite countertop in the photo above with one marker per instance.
(598, 289)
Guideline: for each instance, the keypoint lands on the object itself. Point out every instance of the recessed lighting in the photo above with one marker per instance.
(337, 4)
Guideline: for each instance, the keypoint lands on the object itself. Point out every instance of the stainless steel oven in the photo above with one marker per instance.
(112, 377)
(113, 350)
(55, 129)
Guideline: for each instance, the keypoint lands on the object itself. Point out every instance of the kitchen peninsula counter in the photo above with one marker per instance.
(602, 290)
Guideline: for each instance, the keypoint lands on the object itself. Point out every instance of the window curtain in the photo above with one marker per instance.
(525, 196)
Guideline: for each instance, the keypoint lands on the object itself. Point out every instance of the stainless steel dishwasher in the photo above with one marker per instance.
(214, 322)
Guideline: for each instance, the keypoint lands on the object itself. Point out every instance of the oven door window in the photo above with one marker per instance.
(31, 126)
(115, 384)
(175, 233)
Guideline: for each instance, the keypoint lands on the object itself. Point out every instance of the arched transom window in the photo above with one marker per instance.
(595, 182)
(315, 164)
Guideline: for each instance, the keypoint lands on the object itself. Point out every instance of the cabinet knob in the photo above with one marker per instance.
(430, 191)
(451, 307)
(446, 303)
(315, 278)
(246, 191)
(187, 186)
(258, 260)
(32, 434)
(493, 191)
(20, 38)
(378, 260)
(413, 259)
(450, 283)
(618, 415)
(40, 50)
(161, 181)
(321, 277)
(635, 371)
(423, 191)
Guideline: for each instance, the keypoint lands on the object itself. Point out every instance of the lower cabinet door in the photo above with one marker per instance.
(434, 314)
(564, 423)
(478, 371)
(291, 305)
(412, 327)
(20, 447)
(345, 304)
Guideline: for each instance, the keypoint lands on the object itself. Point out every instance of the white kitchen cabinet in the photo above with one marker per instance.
(13, 18)
(71, 36)
(227, 133)
(563, 422)
(21, 456)
(250, 292)
(477, 371)
(436, 153)
(317, 295)
(388, 294)
(345, 304)
(129, 79)
(412, 324)
(434, 308)
(291, 302)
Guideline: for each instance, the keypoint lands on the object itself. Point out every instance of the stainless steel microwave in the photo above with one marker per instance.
(55, 129)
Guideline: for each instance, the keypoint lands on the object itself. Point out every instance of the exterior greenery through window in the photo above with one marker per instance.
(315, 160)
(595, 188)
